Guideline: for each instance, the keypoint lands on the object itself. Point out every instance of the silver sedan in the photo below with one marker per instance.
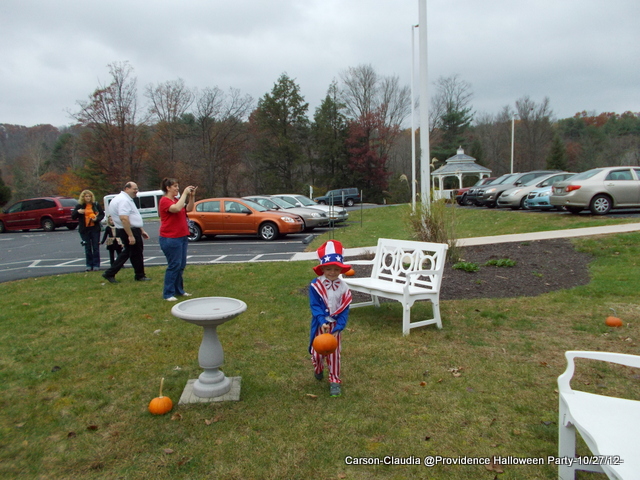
(599, 190)
(312, 218)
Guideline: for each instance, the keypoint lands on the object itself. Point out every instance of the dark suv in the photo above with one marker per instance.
(341, 196)
(45, 212)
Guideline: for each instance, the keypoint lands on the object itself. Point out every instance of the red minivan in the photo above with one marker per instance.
(46, 213)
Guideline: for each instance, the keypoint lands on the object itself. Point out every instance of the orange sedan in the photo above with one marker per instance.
(237, 216)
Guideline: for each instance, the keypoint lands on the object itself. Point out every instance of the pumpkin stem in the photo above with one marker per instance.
(614, 312)
(161, 384)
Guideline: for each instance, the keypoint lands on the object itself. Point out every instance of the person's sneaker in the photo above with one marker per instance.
(334, 390)
(319, 376)
(185, 294)
(143, 279)
(109, 279)
(171, 299)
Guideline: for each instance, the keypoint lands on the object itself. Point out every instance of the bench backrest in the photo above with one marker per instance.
(395, 258)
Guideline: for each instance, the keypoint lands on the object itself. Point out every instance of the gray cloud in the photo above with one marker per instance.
(582, 55)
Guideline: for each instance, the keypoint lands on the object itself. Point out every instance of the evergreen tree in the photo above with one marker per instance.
(557, 159)
(330, 131)
(282, 129)
(5, 192)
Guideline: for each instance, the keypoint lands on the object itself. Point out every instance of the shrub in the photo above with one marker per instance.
(435, 223)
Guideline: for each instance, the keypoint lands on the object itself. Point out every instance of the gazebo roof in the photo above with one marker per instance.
(460, 163)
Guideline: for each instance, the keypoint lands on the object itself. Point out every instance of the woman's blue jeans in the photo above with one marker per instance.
(91, 239)
(175, 249)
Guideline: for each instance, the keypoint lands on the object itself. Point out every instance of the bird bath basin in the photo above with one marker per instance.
(209, 312)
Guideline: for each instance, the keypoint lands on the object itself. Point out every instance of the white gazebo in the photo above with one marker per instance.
(459, 166)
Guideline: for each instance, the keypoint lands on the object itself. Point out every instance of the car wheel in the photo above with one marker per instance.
(47, 225)
(195, 232)
(574, 210)
(349, 202)
(72, 227)
(2, 227)
(465, 201)
(600, 205)
(268, 231)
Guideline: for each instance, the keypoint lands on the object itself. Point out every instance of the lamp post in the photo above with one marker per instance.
(424, 107)
(513, 130)
(413, 127)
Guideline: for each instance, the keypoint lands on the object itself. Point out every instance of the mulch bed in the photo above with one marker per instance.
(540, 266)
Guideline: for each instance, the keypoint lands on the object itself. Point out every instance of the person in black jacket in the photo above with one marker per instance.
(89, 215)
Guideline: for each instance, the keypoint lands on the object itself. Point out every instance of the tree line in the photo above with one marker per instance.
(232, 145)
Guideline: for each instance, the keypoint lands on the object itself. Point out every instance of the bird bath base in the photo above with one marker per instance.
(233, 395)
(209, 312)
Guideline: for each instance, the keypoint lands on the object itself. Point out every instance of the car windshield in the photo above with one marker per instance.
(504, 179)
(533, 181)
(255, 206)
(281, 203)
(305, 200)
(265, 202)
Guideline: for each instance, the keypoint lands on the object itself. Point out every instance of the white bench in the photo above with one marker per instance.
(405, 271)
(610, 426)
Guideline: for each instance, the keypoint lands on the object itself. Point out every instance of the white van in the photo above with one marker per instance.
(147, 202)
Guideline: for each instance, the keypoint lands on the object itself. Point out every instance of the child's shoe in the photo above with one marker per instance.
(334, 390)
(319, 376)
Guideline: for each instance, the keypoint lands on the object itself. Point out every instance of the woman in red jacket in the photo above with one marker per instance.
(174, 232)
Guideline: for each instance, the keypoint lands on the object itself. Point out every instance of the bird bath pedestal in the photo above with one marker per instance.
(209, 312)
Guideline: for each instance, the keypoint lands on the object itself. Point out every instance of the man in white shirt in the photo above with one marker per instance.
(129, 228)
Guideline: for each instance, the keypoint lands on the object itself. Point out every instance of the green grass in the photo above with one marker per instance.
(80, 361)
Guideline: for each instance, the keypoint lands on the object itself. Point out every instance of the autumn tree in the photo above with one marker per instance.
(281, 130)
(222, 139)
(168, 103)
(117, 140)
(368, 154)
(533, 134)
(5, 192)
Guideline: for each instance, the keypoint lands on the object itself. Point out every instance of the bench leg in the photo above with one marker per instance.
(566, 444)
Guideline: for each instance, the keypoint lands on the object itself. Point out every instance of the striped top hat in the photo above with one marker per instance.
(330, 253)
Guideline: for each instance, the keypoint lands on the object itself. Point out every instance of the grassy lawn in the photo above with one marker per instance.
(81, 360)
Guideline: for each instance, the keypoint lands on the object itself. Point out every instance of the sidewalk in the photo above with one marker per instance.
(519, 237)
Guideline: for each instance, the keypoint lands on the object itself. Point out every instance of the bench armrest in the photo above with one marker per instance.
(619, 358)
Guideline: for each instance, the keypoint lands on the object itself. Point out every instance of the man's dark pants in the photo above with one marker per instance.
(134, 252)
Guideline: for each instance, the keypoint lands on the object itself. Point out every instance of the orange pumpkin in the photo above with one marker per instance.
(160, 405)
(325, 344)
(613, 322)
(350, 273)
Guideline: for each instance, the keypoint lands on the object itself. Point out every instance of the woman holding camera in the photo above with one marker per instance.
(174, 232)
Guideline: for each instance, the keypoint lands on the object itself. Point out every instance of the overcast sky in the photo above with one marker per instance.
(583, 55)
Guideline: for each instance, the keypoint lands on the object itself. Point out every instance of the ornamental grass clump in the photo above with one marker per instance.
(435, 223)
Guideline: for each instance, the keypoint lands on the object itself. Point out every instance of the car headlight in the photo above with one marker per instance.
(316, 215)
(287, 219)
(490, 190)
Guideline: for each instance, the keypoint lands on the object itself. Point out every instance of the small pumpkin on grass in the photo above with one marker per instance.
(325, 344)
(160, 405)
(613, 321)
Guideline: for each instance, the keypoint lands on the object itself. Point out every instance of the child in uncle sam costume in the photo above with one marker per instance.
(329, 298)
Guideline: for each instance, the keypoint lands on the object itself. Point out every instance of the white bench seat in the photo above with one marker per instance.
(608, 425)
(404, 271)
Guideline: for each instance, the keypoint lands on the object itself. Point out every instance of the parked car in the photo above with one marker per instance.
(237, 216)
(340, 196)
(312, 217)
(461, 193)
(599, 190)
(335, 213)
(473, 195)
(489, 194)
(47, 213)
(515, 198)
